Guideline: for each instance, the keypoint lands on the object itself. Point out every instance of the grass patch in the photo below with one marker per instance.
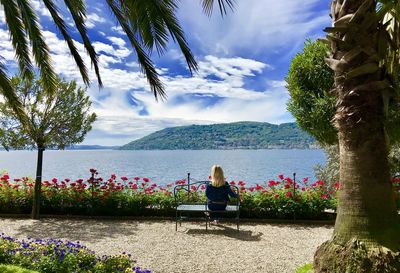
(307, 268)
(14, 269)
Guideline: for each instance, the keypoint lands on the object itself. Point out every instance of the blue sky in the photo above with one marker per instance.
(243, 59)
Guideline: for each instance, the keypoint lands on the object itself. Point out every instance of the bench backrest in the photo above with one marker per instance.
(191, 193)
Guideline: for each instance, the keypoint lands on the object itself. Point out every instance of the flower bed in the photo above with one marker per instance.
(281, 198)
(56, 256)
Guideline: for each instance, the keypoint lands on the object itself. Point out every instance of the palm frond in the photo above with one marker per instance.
(18, 37)
(152, 20)
(78, 13)
(144, 61)
(60, 24)
(9, 94)
(39, 47)
(389, 40)
(224, 5)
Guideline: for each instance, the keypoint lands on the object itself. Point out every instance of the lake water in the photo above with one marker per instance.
(162, 167)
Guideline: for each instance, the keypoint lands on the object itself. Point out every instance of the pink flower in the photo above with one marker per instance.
(203, 187)
(305, 180)
(281, 176)
(113, 176)
(54, 180)
(134, 186)
(124, 178)
(303, 189)
(137, 178)
(145, 179)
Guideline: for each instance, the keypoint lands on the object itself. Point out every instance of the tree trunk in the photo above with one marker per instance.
(366, 237)
(38, 185)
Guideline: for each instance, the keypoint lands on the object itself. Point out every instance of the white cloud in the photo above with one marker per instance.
(118, 29)
(117, 41)
(93, 19)
(40, 8)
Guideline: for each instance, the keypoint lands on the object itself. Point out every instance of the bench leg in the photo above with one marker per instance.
(237, 220)
(176, 221)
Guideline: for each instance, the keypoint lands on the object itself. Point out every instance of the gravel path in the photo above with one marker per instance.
(275, 248)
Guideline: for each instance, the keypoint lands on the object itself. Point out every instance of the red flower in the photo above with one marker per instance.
(93, 171)
(258, 187)
(336, 185)
(241, 183)
(289, 180)
(281, 176)
(287, 186)
(276, 196)
(320, 183)
(324, 196)
(124, 178)
(145, 179)
(305, 180)
(203, 187)
(17, 179)
(289, 194)
(67, 180)
(54, 180)
(303, 189)
(73, 184)
(134, 186)
(137, 178)
(232, 183)
(113, 176)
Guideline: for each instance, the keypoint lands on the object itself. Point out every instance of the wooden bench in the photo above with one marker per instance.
(185, 205)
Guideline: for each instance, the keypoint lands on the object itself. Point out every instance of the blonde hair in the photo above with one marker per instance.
(217, 176)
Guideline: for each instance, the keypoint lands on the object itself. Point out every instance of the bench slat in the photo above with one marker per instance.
(204, 208)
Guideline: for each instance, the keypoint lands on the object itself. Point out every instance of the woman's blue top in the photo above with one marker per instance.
(219, 194)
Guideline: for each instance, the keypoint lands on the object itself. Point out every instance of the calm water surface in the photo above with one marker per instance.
(253, 166)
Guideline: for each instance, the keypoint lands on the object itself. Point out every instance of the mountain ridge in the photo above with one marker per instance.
(225, 136)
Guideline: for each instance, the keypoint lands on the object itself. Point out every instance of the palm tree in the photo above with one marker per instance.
(364, 41)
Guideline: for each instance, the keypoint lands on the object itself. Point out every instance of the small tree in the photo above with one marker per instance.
(55, 121)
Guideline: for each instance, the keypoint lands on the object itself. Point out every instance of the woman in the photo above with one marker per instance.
(218, 191)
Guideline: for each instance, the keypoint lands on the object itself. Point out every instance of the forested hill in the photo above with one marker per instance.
(238, 135)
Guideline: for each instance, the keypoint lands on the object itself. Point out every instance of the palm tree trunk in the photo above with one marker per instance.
(38, 185)
(366, 237)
